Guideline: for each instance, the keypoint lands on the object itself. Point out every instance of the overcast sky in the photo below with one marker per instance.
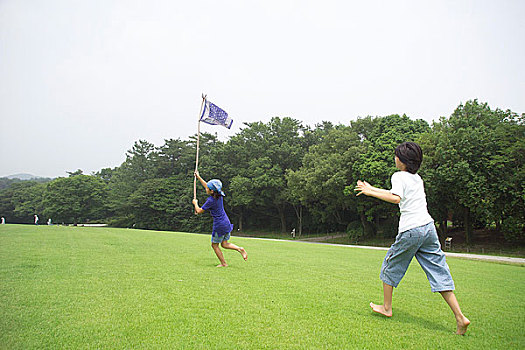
(81, 81)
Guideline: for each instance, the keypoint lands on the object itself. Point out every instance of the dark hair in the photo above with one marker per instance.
(410, 154)
(216, 194)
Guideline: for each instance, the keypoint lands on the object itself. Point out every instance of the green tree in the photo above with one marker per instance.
(75, 199)
(259, 157)
(126, 179)
(475, 165)
(137, 167)
(509, 198)
(21, 200)
(165, 204)
(5, 182)
(326, 169)
(105, 174)
(175, 157)
(380, 136)
(75, 173)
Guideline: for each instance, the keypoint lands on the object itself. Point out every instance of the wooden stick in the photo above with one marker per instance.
(197, 155)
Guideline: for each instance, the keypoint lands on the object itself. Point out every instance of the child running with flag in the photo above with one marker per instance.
(222, 226)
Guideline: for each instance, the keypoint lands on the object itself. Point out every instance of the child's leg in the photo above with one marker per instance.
(461, 320)
(386, 308)
(394, 267)
(433, 261)
(228, 245)
(218, 252)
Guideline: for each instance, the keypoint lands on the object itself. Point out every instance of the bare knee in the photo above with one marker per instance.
(215, 246)
(224, 244)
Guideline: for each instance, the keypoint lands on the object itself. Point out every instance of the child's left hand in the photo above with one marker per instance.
(195, 201)
(363, 187)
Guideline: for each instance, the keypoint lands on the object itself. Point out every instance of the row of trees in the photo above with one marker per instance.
(283, 174)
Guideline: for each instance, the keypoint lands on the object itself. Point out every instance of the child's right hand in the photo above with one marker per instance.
(196, 173)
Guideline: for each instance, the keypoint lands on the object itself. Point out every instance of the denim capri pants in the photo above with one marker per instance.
(423, 243)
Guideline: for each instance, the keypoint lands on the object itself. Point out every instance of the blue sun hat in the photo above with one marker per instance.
(215, 185)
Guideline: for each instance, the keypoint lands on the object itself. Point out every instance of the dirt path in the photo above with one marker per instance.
(321, 238)
(492, 258)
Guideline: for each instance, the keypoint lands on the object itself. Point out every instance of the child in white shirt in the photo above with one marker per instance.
(417, 234)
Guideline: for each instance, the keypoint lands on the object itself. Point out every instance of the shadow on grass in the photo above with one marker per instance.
(403, 317)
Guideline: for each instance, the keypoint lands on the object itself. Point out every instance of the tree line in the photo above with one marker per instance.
(282, 174)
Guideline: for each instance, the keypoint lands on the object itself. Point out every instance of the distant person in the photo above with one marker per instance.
(3, 220)
(417, 234)
(222, 226)
(36, 219)
(49, 221)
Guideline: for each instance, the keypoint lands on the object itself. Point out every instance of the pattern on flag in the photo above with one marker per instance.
(213, 115)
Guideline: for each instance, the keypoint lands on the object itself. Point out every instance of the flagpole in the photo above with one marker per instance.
(198, 140)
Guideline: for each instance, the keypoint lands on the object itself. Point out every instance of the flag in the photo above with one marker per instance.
(211, 114)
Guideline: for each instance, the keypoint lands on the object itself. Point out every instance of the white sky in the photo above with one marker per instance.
(81, 81)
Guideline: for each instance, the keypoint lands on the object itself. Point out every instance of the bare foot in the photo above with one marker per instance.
(380, 309)
(222, 265)
(243, 253)
(462, 325)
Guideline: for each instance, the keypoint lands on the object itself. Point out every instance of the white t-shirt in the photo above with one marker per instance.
(413, 206)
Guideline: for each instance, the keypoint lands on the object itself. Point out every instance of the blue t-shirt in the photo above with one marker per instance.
(221, 222)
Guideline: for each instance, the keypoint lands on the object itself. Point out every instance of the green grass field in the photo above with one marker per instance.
(94, 288)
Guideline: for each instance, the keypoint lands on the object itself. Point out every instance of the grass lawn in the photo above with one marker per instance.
(79, 287)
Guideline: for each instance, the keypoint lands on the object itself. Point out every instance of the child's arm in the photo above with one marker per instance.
(198, 210)
(203, 183)
(369, 190)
